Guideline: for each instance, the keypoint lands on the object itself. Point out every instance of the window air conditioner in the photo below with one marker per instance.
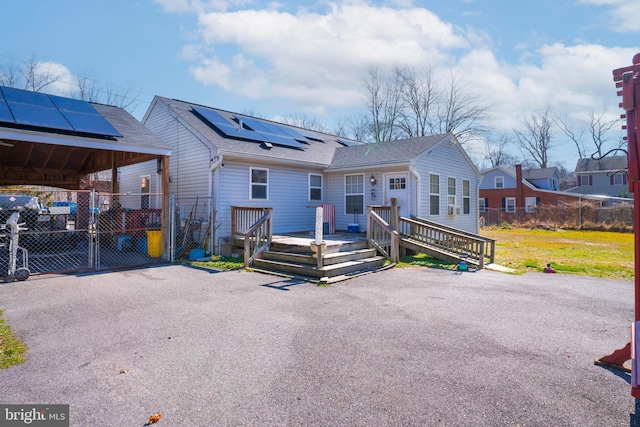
(451, 209)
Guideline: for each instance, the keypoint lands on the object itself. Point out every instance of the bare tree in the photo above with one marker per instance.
(355, 127)
(420, 97)
(568, 127)
(384, 104)
(598, 128)
(87, 90)
(461, 110)
(409, 102)
(304, 121)
(30, 74)
(536, 141)
(496, 152)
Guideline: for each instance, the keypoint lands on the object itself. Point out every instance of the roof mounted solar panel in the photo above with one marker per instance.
(310, 135)
(217, 120)
(35, 109)
(345, 142)
(83, 117)
(5, 113)
(272, 133)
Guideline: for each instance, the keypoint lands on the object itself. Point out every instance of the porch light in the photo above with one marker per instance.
(373, 180)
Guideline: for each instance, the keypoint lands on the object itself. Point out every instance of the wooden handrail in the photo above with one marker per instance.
(382, 236)
(490, 244)
(257, 237)
(445, 240)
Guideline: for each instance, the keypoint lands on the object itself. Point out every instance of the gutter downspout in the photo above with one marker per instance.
(416, 175)
(214, 205)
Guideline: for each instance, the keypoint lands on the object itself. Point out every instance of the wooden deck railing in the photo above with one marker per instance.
(382, 236)
(490, 244)
(255, 236)
(445, 242)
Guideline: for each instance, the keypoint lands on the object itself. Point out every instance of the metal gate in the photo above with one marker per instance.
(70, 231)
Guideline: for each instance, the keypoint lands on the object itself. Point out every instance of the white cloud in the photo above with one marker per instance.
(624, 14)
(65, 83)
(303, 55)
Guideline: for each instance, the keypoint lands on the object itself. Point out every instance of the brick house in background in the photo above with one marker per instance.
(509, 194)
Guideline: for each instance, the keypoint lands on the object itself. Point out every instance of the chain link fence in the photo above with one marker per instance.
(57, 231)
(576, 216)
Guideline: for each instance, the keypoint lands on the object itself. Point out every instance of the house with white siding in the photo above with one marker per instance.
(234, 159)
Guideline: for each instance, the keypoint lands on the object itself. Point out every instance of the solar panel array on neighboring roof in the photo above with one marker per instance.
(257, 130)
(23, 107)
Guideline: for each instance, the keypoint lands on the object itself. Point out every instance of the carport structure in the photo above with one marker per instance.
(46, 140)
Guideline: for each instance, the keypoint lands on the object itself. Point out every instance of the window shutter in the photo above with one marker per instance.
(590, 180)
(537, 201)
(504, 204)
(611, 180)
(624, 179)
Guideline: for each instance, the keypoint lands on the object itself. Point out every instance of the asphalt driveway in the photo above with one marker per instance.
(402, 347)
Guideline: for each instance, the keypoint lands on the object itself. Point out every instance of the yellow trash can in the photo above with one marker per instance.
(154, 243)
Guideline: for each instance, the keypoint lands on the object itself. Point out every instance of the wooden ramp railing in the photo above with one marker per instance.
(421, 235)
(252, 228)
(490, 244)
(441, 243)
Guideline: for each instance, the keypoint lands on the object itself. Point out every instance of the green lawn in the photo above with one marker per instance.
(11, 349)
(587, 253)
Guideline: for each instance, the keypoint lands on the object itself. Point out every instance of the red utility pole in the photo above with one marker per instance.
(628, 81)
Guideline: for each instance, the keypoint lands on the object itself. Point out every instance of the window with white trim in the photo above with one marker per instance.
(482, 204)
(619, 179)
(315, 187)
(498, 182)
(451, 191)
(354, 194)
(510, 204)
(584, 180)
(530, 204)
(466, 197)
(434, 194)
(259, 183)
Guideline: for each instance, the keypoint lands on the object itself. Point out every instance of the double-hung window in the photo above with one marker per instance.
(510, 204)
(451, 191)
(499, 182)
(466, 197)
(315, 187)
(434, 194)
(259, 183)
(354, 194)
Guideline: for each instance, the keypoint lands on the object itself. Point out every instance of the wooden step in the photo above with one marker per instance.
(327, 271)
(331, 258)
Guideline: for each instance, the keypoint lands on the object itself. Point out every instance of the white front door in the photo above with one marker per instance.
(397, 186)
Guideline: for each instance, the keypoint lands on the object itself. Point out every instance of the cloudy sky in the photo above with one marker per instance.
(282, 58)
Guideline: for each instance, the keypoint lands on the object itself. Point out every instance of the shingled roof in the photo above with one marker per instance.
(384, 153)
(541, 173)
(315, 152)
(606, 164)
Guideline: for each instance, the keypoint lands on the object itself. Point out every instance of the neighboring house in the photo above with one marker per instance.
(543, 178)
(238, 160)
(607, 177)
(508, 191)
